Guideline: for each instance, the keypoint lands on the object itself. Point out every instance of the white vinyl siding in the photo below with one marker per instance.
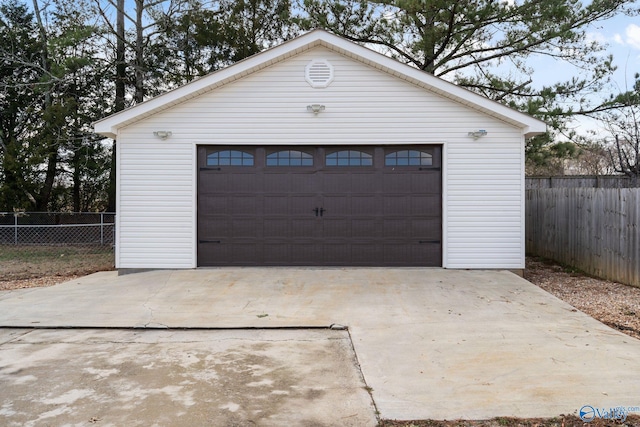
(484, 204)
(483, 177)
(155, 212)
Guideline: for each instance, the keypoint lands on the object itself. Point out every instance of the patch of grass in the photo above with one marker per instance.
(27, 262)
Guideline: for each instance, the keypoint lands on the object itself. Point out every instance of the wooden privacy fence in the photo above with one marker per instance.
(590, 181)
(593, 229)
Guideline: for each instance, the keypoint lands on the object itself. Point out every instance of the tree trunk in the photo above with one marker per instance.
(139, 66)
(50, 144)
(45, 194)
(121, 76)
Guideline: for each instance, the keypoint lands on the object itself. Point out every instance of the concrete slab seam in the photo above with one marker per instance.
(164, 328)
(367, 388)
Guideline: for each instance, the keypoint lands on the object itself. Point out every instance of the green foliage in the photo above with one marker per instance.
(18, 110)
(49, 97)
(203, 37)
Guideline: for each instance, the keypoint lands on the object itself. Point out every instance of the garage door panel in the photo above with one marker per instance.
(244, 253)
(397, 228)
(336, 228)
(365, 228)
(366, 253)
(306, 253)
(396, 183)
(211, 182)
(211, 254)
(213, 204)
(214, 226)
(365, 205)
(244, 228)
(425, 229)
(396, 253)
(338, 253)
(276, 228)
(243, 205)
(304, 183)
(276, 182)
(336, 183)
(276, 253)
(396, 205)
(243, 183)
(336, 206)
(303, 205)
(304, 228)
(276, 205)
(427, 205)
(424, 183)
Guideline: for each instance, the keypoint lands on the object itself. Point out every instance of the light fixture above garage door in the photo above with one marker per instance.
(319, 73)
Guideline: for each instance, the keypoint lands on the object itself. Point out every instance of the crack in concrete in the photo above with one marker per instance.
(150, 309)
(17, 337)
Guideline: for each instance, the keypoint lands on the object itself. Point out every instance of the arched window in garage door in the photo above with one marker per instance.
(349, 158)
(408, 158)
(229, 158)
(289, 158)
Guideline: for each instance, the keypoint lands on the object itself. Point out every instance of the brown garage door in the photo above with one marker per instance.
(332, 206)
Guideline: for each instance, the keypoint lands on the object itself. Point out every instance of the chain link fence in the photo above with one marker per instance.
(95, 230)
(37, 245)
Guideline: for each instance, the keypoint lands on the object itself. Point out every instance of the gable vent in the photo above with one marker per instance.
(319, 73)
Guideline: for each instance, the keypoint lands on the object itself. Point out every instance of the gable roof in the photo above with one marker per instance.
(529, 125)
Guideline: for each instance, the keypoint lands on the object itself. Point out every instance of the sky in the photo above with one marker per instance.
(621, 35)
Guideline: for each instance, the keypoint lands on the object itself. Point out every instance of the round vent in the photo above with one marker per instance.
(319, 73)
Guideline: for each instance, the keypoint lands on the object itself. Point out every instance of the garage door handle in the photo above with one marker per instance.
(319, 211)
(209, 241)
(429, 241)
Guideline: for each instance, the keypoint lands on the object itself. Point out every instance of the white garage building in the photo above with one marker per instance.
(320, 152)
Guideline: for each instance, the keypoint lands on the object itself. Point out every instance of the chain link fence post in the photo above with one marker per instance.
(15, 228)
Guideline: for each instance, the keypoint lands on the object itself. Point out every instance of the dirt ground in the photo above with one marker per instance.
(39, 266)
(561, 421)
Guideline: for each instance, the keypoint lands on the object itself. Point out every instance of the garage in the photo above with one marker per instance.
(320, 206)
(320, 152)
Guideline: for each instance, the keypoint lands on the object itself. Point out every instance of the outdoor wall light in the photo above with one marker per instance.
(477, 133)
(162, 134)
(315, 108)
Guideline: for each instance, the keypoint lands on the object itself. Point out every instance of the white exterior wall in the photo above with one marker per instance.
(483, 179)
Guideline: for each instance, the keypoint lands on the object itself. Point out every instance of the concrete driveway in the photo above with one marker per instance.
(430, 343)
